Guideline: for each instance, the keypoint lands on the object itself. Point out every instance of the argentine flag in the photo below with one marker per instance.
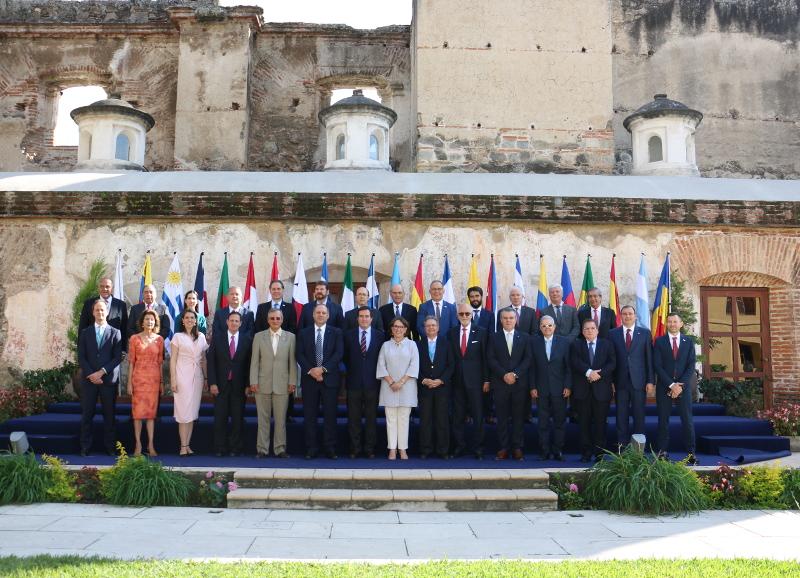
(173, 296)
(642, 300)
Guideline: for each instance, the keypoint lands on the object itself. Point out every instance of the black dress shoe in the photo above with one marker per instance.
(353, 455)
(218, 454)
(478, 455)
(84, 453)
(235, 454)
(331, 455)
(423, 456)
(370, 456)
(559, 457)
(282, 455)
(458, 452)
(310, 455)
(444, 456)
(259, 455)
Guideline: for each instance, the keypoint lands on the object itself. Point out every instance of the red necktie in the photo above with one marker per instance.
(628, 339)
(232, 351)
(463, 342)
(674, 348)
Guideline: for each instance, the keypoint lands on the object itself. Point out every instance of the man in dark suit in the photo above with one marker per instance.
(525, 316)
(116, 311)
(435, 374)
(603, 317)
(565, 316)
(399, 309)
(148, 303)
(552, 385)
(436, 306)
(319, 352)
(248, 323)
(508, 356)
(361, 348)
(351, 317)
(228, 360)
(593, 362)
(321, 297)
(99, 356)
(633, 376)
(480, 316)
(674, 360)
(470, 379)
(276, 302)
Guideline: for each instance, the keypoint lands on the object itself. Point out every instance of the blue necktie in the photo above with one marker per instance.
(318, 348)
(98, 335)
(549, 348)
(591, 353)
(432, 349)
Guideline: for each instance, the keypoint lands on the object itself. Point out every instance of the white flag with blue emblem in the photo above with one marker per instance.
(173, 296)
(372, 285)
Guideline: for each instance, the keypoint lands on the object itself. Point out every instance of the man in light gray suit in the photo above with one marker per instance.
(273, 376)
(566, 316)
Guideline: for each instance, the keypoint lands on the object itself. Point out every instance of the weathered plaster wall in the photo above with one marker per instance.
(737, 62)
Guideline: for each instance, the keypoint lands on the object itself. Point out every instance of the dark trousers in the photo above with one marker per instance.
(313, 393)
(553, 406)
(630, 402)
(434, 406)
(592, 415)
(664, 405)
(228, 405)
(510, 402)
(468, 400)
(108, 395)
(487, 401)
(362, 403)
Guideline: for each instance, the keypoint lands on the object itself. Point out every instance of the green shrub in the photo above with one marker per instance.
(61, 483)
(87, 485)
(723, 489)
(22, 479)
(18, 401)
(791, 488)
(87, 289)
(213, 490)
(51, 381)
(743, 398)
(635, 483)
(570, 494)
(763, 487)
(138, 481)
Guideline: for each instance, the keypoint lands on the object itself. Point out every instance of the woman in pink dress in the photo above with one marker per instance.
(187, 368)
(145, 385)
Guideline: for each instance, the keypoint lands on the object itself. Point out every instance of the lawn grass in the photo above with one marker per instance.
(72, 566)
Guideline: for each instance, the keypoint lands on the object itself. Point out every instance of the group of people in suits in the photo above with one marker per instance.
(442, 359)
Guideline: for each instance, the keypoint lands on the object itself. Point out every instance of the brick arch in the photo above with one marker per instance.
(741, 279)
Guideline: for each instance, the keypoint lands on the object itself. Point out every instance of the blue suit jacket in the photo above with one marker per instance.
(550, 377)
(335, 315)
(442, 365)
(604, 359)
(635, 367)
(447, 319)
(218, 358)
(332, 354)
(486, 321)
(669, 370)
(361, 368)
(500, 362)
(108, 355)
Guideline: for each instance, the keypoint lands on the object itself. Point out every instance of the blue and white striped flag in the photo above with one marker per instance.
(372, 286)
(173, 296)
(518, 281)
(642, 301)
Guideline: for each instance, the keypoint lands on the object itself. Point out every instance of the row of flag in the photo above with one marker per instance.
(651, 318)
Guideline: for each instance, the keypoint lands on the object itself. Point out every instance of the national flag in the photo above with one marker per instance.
(613, 294)
(200, 286)
(473, 275)
(417, 290)
(372, 285)
(588, 281)
(518, 281)
(274, 275)
(119, 285)
(491, 291)
(172, 296)
(323, 275)
(642, 301)
(396, 270)
(222, 291)
(568, 296)
(348, 298)
(300, 289)
(447, 281)
(541, 295)
(661, 302)
(250, 292)
(146, 278)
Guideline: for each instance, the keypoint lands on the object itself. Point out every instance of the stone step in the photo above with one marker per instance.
(386, 479)
(440, 500)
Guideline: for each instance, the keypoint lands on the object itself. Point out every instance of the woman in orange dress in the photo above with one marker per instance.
(145, 384)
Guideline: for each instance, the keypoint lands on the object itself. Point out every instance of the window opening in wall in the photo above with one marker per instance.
(338, 94)
(654, 149)
(374, 154)
(123, 147)
(65, 132)
(340, 147)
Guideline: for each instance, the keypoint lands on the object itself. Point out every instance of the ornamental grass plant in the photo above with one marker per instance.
(139, 481)
(22, 479)
(638, 483)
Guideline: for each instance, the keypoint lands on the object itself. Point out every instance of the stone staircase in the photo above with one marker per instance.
(440, 490)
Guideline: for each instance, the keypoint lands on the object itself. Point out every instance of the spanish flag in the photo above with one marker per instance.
(613, 294)
(417, 290)
(661, 304)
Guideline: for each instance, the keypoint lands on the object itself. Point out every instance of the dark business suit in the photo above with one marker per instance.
(549, 378)
(669, 370)
(362, 388)
(116, 317)
(289, 317)
(567, 324)
(470, 372)
(593, 399)
(434, 403)
(633, 372)
(485, 320)
(510, 400)
(136, 314)
(607, 320)
(351, 320)
(527, 323)
(232, 377)
(327, 389)
(91, 358)
(447, 317)
(335, 315)
(221, 322)
(407, 312)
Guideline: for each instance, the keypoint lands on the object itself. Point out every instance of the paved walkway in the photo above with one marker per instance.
(201, 533)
